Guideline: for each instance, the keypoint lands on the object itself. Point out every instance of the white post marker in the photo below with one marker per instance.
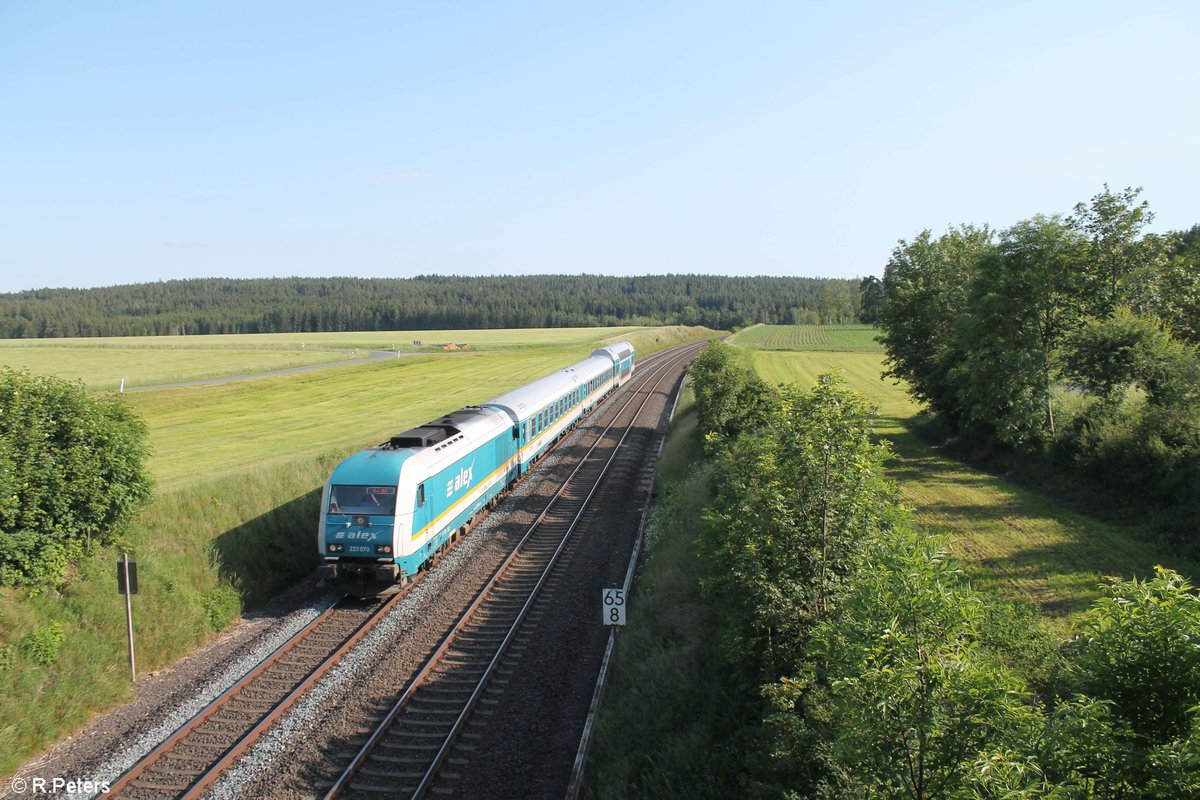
(127, 585)
(613, 610)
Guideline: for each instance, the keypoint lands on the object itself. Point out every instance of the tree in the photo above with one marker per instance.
(72, 472)
(870, 291)
(793, 507)
(1106, 356)
(1122, 267)
(730, 397)
(911, 700)
(925, 288)
(1137, 648)
(1024, 298)
(1180, 287)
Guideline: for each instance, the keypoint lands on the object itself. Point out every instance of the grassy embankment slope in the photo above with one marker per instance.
(238, 468)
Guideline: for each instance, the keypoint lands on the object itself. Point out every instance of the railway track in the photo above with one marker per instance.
(188, 762)
(421, 739)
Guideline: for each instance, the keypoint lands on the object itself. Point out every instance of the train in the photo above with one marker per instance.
(387, 510)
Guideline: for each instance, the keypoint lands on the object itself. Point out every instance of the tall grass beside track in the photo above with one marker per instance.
(238, 470)
(659, 732)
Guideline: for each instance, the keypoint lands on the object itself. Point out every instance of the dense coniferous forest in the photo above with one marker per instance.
(291, 305)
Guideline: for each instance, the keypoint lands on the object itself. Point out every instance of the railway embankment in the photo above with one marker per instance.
(212, 545)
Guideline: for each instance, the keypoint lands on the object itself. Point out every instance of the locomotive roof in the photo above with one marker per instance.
(381, 465)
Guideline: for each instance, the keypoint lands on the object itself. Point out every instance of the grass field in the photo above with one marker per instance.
(1011, 540)
(153, 360)
(238, 469)
(835, 338)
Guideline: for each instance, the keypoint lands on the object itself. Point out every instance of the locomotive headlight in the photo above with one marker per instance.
(383, 549)
(334, 547)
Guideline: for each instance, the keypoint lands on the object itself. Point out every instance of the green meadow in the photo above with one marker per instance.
(1017, 542)
(238, 468)
(155, 360)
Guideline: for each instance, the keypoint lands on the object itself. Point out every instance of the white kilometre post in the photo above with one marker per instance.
(614, 606)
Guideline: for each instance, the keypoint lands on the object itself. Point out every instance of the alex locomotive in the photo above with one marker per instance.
(386, 510)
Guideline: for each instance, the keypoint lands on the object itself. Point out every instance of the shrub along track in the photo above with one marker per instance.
(312, 745)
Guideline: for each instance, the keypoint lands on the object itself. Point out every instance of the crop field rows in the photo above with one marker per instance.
(809, 338)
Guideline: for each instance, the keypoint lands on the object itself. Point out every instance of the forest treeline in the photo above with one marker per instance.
(310, 305)
(1065, 347)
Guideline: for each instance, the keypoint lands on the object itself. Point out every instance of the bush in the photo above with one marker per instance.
(221, 604)
(72, 472)
(43, 644)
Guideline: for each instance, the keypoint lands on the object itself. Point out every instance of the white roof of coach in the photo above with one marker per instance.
(524, 402)
(617, 352)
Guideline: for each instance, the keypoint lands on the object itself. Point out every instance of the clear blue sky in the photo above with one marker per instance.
(143, 141)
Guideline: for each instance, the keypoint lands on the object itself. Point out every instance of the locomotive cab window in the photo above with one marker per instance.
(420, 495)
(380, 500)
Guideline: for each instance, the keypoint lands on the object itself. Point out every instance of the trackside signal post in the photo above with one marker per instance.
(127, 585)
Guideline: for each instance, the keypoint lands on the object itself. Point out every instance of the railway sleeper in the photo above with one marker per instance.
(425, 724)
(441, 701)
(432, 716)
(187, 759)
(414, 736)
(408, 747)
(384, 772)
(389, 790)
(411, 761)
(161, 787)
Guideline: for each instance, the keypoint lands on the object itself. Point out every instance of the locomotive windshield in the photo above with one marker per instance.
(379, 500)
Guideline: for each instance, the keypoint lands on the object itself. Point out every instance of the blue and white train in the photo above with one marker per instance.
(387, 510)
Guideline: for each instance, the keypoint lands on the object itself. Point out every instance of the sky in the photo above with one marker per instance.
(146, 141)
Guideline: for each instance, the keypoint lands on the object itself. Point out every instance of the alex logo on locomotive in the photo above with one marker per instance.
(460, 481)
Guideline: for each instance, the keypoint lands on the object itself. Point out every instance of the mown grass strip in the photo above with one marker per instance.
(1012, 540)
